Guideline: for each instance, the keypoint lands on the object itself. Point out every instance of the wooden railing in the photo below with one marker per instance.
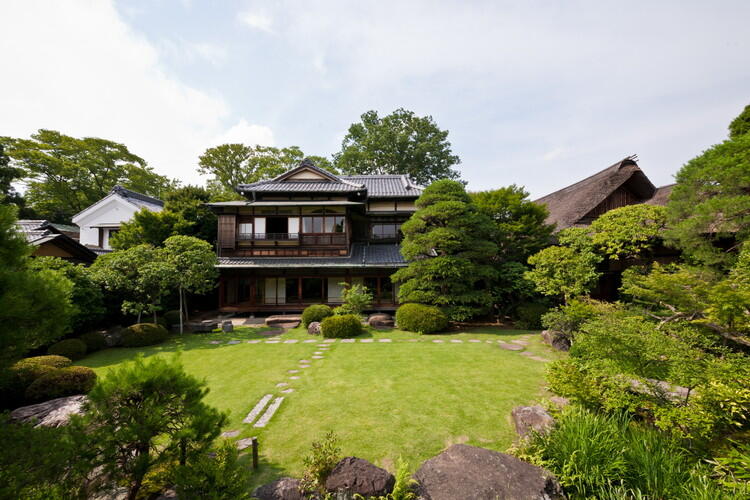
(268, 236)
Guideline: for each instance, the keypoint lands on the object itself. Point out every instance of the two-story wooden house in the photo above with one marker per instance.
(297, 238)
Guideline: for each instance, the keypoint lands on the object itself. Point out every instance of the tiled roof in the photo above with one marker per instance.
(362, 255)
(136, 198)
(386, 186)
(34, 229)
(38, 232)
(300, 187)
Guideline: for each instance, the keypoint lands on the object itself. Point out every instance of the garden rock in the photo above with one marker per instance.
(284, 320)
(380, 320)
(227, 326)
(531, 418)
(52, 413)
(314, 328)
(112, 336)
(358, 476)
(464, 471)
(286, 488)
(557, 340)
(203, 326)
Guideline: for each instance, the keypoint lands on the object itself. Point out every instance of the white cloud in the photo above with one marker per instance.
(188, 52)
(245, 133)
(78, 68)
(257, 20)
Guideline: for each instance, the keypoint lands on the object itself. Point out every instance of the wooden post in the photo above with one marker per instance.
(255, 452)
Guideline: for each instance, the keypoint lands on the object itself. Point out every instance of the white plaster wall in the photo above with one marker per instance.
(110, 211)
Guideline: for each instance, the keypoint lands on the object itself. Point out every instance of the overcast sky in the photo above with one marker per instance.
(539, 94)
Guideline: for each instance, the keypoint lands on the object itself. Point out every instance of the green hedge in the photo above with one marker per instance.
(315, 312)
(94, 341)
(61, 382)
(69, 348)
(29, 369)
(421, 318)
(339, 327)
(144, 334)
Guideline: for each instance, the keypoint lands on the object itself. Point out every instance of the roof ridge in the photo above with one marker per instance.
(616, 166)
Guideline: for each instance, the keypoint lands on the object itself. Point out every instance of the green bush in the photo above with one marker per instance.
(172, 318)
(70, 348)
(315, 312)
(94, 341)
(421, 318)
(569, 318)
(339, 327)
(162, 322)
(29, 369)
(323, 457)
(220, 477)
(529, 316)
(62, 382)
(144, 334)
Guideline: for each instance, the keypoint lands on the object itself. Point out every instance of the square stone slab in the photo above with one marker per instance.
(366, 341)
(348, 341)
(474, 341)
(291, 341)
(294, 377)
(309, 341)
(244, 443)
(438, 341)
(215, 342)
(520, 342)
(317, 357)
(287, 391)
(256, 341)
(384, 340)
(273, 341)
(230, 434)
(304, 366)
(457, 341)
(511, 347)
(304, 361)
(329, 341)
(232, 342)
(282, 384)
(292, 371)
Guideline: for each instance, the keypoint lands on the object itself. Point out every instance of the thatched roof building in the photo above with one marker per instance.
(618, 185)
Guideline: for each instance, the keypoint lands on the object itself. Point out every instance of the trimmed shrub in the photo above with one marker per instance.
(69, 348)
(568, 319)
(143, 334)
(62, 382)
(29, 369)
(529, 316)
(94, 341)
(421, 318)
(315, 312)
(339, 327)
(172, 318)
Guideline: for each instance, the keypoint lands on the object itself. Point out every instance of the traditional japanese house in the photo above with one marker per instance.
(296, 239)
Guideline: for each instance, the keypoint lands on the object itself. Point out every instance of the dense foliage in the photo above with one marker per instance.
(315, 312)
(323, 457)
(144, 334)
(356, 298)
(421, 318)
(447, 243)
(629, 231)
(216, 476)
(95, 341)
(61, 382)
(399, 143)
(64, 174)
(341, 326)
(143, 416)
(69, 348)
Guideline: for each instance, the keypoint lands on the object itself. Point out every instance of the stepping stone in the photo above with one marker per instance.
(294, 377)
(318, 353)
(457, 341)
(275, 337)
(287, 391)
(539, 358)
(474, 341)
(282, 384)
(232, 342)
(438, 341)
(304, 361)
(413, 340)
(309, 341)
(323, 345)
(272, 341)
(257, 409)
(348, 341)
(215, 342)
(488, 341)
(317, 357)
(520, 342)
(244, 443)
(229, 434)
(291, 341)
(292, 371)
(304, 366)
(367, 341)
(253, 341)
(384, 340)
(511, 347)
(262, 421)
(329, 341)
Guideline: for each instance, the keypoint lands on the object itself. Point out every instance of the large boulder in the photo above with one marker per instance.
(354, 475)
(286, 488)
(52, 413)
(464, 471)
(557, 340)
(380, 320)
(314, 328)
(531, 418)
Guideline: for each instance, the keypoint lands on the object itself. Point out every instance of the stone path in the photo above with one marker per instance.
(263, 420)
(257, 409)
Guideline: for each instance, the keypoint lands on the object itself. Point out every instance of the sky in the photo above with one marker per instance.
(535, 93)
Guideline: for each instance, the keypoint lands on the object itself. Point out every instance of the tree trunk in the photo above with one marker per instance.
(139, 316)
(134, 488)
(154, 316)
(184, 300)
(181, 322)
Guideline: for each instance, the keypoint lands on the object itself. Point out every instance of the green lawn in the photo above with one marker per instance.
(383, 400)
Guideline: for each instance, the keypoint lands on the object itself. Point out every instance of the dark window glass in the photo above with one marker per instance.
(292, 290)
(385, 231)
(312, 289)
(243, 290)
(386, 290)
(372, 286)
(338, 224)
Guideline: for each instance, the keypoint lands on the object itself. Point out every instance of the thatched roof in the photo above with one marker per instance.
(568, 206)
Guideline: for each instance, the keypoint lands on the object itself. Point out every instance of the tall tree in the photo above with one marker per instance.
(708, 214)
(741, 124)
(65, 174)
(35, 307)
(399, 143)
(448, 244)
(234, 164)
(629, 231)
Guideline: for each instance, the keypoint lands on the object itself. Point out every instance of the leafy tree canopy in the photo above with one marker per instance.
(741, 124)
(627, 232)
(232, 164)
(709, 208)
(520, 227)
(562, 271)
(64, 174)
(399, 143)
(447, 242)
